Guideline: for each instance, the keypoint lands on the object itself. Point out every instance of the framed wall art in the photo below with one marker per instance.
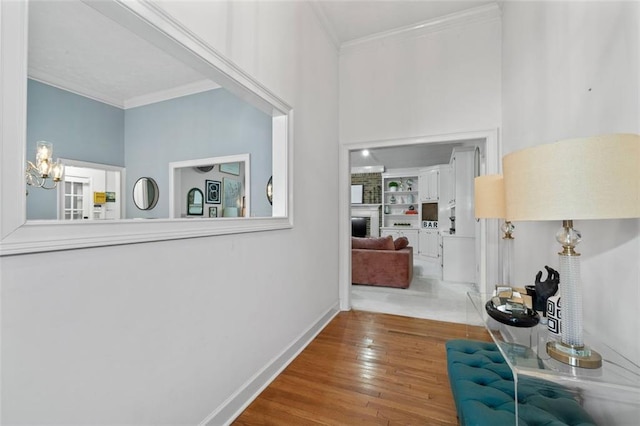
(232, 194)
(356, 194)
(213, 212)
(213, 191)
(231, 168)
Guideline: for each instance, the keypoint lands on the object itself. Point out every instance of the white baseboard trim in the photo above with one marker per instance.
(240, 400)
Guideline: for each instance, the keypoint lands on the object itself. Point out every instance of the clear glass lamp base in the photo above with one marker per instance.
(576, 356)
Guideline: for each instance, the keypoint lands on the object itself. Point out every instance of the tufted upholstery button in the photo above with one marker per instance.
(483, 390)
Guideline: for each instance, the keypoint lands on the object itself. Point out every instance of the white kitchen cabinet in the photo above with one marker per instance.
(463, 163)
(429, 183)
(446, 196)
(458, 258)
(411, 234)
(429, 243)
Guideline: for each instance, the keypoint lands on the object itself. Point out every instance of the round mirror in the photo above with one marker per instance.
(270, 190)
(204, 169)
(145, 193)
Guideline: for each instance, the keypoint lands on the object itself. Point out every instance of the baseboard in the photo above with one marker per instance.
(236, 403)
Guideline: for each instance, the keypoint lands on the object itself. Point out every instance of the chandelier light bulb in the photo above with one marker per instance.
(38, 173)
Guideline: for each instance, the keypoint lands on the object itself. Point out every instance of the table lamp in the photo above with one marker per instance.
(489, 204)
(575, 179)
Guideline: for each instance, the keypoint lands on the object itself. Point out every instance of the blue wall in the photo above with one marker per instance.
(146, 139)
(207, 124)
(79, 128)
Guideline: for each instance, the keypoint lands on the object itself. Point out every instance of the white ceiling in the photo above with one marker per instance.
(74, 47)
(408, 156)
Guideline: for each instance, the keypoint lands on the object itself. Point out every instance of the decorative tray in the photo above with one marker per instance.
(523, 316)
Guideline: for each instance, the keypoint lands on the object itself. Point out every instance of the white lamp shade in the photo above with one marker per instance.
(590, 178)
(489, 197)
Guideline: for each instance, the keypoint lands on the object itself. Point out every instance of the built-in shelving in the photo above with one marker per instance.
(396, 203)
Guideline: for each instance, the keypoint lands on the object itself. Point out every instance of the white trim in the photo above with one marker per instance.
(158, 25)
(240, 158)
(230, 409)
(325, 23)
(148, 99)
(488, 236)
(44, 78)
(175, 92)
(149, 21)
(453, 20)
(367, 169)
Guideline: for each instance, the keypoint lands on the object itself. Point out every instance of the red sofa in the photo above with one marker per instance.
(381, 262)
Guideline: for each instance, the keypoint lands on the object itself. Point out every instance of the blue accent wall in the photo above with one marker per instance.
(79, 128)
(146, 139)
(208, 124)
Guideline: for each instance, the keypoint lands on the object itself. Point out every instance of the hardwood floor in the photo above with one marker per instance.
(366, 369)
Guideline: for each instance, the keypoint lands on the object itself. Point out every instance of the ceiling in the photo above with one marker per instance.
(74, 47)
(408, 156)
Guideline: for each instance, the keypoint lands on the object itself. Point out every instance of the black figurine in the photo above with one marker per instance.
(545, 289)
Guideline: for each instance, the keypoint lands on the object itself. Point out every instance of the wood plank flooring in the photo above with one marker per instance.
(366, 369)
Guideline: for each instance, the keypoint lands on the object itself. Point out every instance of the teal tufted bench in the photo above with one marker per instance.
(483, 390)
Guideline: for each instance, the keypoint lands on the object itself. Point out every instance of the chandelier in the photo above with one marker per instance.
(44, 173)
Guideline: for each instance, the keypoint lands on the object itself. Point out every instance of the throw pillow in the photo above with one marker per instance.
(382, 243)
(401, 243)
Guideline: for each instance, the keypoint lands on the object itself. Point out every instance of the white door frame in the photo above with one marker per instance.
(487, 263)
(174, 178)
(97, 166)
(86, 190)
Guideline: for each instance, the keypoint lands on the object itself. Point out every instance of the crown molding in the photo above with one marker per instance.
(79, 90)
(367, 169)
(453, 20)
(148, 99)
(325, 23)
(175, 92)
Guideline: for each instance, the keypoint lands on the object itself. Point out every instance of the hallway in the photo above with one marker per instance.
(426, 298)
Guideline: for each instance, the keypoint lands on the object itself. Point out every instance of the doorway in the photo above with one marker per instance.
(487, 232)
(90, 191)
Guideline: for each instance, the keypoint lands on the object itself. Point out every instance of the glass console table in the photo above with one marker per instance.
(610, 394)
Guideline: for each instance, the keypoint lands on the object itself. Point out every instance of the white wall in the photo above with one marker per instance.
(423, 82)
(440, 79)
(168, 332)
(570, 69)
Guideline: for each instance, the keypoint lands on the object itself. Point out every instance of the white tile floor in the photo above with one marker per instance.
(427, 298)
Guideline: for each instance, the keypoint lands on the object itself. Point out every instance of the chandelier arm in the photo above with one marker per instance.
(34, 178)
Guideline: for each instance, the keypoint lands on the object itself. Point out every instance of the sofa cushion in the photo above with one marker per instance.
(401, 243)
(382, 243)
